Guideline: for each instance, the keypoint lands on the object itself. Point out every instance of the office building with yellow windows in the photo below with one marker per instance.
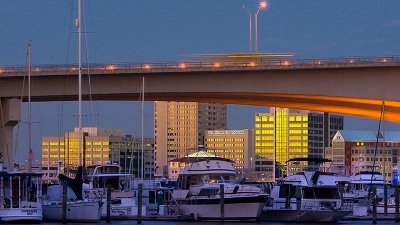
(61, 154)
(284, 134)
(237, 145)
(179, 128)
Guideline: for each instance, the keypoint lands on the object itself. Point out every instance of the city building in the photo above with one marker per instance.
(179, 128)
(285, 134)
(126, 151)
(100, 146)
(237, 145)
(354, 151)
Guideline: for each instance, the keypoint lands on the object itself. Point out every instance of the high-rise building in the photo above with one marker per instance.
(100, 146)
(237, 145)
(61, 154)
(180, 128)
(285, 134)
(126, 151)
(354, 151)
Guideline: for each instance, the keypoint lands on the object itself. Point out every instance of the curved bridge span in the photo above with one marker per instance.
(347, 86)
(356, 87)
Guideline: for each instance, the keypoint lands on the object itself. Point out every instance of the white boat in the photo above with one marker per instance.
(79, 207)
(122, 202)
(20, 196)
(320, 199)
(198, 194)
(77, 210)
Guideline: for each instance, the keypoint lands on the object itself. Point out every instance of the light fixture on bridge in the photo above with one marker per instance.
(111, 67)
(286, 63)
(2, 71)
(384, 60)
(351, 61)
(182, 66)
(252, 64)
(36, 70)
(147, 66)
(217, 65)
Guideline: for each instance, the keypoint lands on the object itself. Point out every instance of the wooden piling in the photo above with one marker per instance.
(64, 203)
(385, 199)
(374, 202)
(140, 203)
(298, 202)
(108, 216)
(222, 201)
(396, 202)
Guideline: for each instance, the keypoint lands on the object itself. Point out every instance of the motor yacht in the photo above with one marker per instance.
(198, 192)
(318, 199)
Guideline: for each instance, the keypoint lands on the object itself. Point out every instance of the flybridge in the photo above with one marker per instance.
(208, 64)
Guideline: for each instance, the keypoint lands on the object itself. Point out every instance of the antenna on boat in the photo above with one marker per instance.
(30, 153)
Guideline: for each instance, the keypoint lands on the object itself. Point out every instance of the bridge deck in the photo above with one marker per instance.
(191, 66)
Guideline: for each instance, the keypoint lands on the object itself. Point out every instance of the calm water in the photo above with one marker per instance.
(133, 222)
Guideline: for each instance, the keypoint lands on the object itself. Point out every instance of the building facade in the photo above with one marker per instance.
(180, 128)
(355, 151)
(237, 145)
(285, 134)
(126, 151)
(100, 146)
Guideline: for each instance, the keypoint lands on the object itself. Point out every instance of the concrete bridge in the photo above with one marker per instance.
(356, 86)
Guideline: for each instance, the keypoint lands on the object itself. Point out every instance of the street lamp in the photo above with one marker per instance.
(261, 5)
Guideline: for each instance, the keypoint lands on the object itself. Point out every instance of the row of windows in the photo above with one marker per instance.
(264, 125)
(356, 159)
(225, 145)
(370, 151)
(264, 118)
(224, 139)
(228, 150)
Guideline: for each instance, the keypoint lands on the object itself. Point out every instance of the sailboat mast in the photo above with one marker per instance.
(29, 110)
(142, 128)
(78, 24)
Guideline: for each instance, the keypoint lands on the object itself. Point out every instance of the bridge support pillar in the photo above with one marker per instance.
(10, 114)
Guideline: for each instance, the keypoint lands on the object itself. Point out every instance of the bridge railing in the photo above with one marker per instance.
(221, 64)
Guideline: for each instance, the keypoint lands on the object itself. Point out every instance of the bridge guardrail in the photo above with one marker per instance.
(221, 65)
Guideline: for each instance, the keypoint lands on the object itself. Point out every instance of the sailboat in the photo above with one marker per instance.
(20, 192)
(79, 209)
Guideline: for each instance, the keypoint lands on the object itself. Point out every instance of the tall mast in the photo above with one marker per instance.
(78, 25)
(142, 128)
(29, 110)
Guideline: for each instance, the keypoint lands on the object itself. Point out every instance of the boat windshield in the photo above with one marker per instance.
(219, 178)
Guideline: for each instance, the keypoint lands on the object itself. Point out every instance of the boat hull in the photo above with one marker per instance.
(18, 214)
(210, 209)
(304, 216)
(76, 212)
(127, 207)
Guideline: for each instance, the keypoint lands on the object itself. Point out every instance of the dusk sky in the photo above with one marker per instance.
(161, 30)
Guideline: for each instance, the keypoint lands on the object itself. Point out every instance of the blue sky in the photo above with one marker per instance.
(160, 30)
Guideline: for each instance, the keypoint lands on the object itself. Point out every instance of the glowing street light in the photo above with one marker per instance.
(262, 5)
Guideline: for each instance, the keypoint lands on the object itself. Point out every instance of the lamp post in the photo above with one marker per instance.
(261, 5)
(250, 28)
